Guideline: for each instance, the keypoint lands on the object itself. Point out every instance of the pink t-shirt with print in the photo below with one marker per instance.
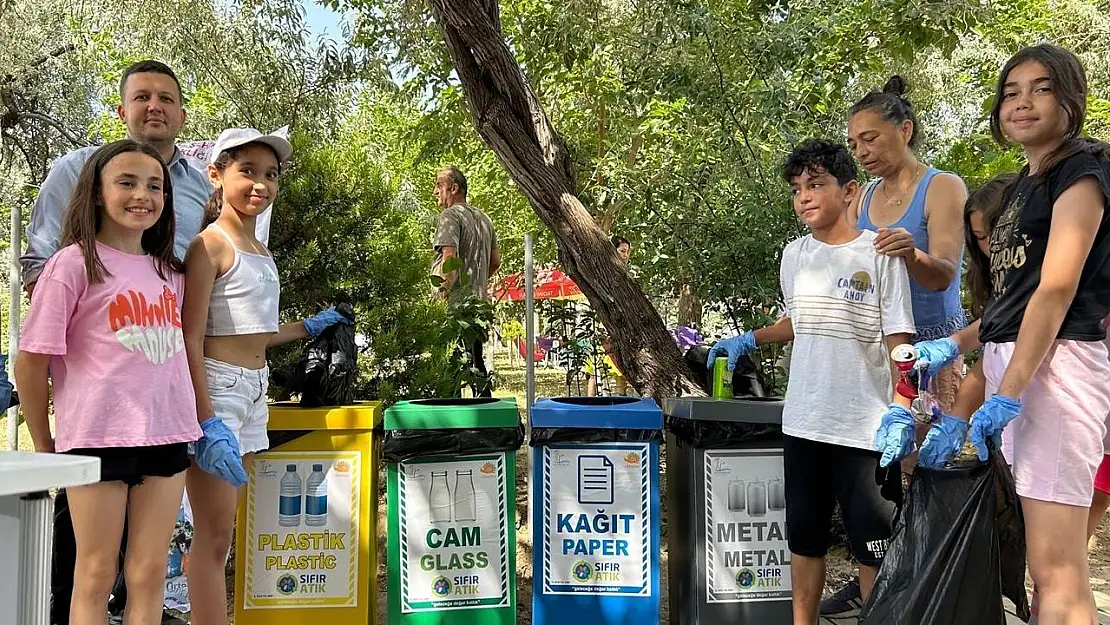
(120, 374)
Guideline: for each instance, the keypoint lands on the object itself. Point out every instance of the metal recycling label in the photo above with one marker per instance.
(454, 534)
(597, 519)
(746, 555)
(302, 531)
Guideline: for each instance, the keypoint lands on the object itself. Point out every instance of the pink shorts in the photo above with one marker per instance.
(1056, 444)
(1102, 477)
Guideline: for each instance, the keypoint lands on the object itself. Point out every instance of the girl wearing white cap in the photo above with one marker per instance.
(230, 317)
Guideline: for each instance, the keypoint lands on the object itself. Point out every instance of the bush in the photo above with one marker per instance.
(341, 233)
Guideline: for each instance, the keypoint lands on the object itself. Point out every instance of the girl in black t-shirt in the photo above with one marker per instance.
(1044, 358)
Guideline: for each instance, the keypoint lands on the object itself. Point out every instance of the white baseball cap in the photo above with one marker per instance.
(235, 137)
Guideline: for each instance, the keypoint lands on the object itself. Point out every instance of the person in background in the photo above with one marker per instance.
(609, 360)
(624, 248)
(466, 233)
(916, 210)
(846, 306)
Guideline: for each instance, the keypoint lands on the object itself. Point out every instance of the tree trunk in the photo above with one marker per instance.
(513, 124)
(689, 307)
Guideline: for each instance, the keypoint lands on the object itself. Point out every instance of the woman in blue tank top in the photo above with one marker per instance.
(918, 213)
(916, 209)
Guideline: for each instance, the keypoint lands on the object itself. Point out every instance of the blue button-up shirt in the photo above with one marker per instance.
(191, 191)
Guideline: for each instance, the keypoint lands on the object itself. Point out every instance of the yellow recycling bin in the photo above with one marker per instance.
(306, 537)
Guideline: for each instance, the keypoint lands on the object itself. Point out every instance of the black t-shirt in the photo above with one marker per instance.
(1018, 244)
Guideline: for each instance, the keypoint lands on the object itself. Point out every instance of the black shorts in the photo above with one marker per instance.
(820, 475)
(131, 464)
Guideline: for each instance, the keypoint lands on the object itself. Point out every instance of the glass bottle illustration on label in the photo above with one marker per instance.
(466, 507)
(776, 495)
(757, 498)
(439, 498)
(290, 492)
(316, 498)
(736, 495)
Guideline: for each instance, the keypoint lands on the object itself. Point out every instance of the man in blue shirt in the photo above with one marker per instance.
(151, 107)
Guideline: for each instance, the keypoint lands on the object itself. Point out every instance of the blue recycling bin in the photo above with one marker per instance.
(595, 518)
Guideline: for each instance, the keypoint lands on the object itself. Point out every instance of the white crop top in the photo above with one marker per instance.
(245, 299)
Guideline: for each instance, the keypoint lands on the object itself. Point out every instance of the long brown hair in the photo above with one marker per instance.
(988, 200)
(85, 213)
(1069, 86)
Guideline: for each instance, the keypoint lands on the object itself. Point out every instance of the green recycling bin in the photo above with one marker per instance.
(451, 490)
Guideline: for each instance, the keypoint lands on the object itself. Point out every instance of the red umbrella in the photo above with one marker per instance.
(549, 284)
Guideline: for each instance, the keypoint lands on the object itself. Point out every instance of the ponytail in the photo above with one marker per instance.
(213, 207)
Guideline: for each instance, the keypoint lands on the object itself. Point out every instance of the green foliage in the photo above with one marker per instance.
(339, 235)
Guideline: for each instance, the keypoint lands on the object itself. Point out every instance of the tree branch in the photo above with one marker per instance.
(56, 125)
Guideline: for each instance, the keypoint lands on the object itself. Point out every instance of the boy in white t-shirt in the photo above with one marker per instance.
(847, 306)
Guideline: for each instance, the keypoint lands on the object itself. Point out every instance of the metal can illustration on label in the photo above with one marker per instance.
(757, 498)
(776, 495)
(736, 495)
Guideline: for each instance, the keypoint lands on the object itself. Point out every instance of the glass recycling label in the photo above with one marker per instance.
(454, 534)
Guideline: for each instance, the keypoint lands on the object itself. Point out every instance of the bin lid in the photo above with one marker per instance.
(361, 415)
(746, 410)
(452, 413)
(611, 413)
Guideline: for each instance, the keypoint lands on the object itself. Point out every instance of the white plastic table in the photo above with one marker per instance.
(26, 528)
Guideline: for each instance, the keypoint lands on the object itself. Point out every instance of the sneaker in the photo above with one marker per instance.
(845, 603)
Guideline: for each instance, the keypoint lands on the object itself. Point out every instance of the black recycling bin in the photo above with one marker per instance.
(728, 557)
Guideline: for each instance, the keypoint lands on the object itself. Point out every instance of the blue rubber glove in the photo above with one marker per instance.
(734, 347)
(936, 355)
(989, 420)
(895, 435)
(5, 384)
(217, 452)
(323, 320)
(944, 440)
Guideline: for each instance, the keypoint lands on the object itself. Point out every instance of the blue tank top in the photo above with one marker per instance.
(936, 314)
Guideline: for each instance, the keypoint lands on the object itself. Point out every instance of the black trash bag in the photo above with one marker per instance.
(706, 434)
(958, 547)
(325, 373)
(401, 445)
(746, 381)
(554, 436)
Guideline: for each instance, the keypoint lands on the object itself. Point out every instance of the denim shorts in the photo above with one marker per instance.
(239, 399)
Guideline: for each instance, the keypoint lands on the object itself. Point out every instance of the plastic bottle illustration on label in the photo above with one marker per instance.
(736, 495)
(289, 497)
(466, 507)
(316, 498)
(757, 498)
(439, 498)
(776, 495)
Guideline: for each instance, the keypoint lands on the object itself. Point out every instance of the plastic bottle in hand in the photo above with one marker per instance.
(289, 497)
(316, 498)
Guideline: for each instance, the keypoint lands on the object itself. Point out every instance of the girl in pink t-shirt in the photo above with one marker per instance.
(106, 319)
